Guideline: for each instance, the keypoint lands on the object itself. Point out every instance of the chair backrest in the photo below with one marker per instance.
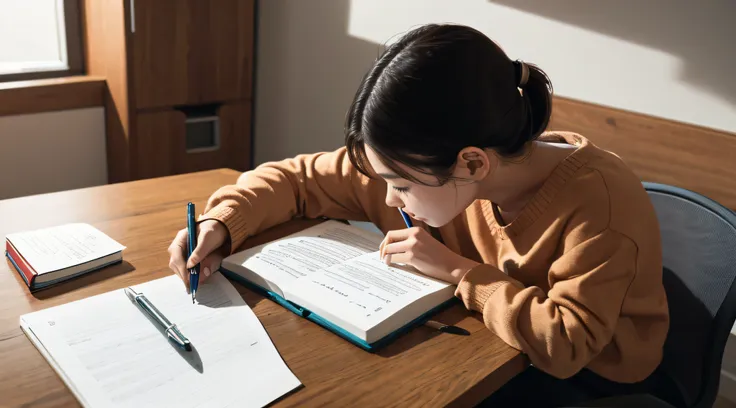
(699, 259)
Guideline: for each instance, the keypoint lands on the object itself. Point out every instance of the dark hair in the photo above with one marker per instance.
(438, 90)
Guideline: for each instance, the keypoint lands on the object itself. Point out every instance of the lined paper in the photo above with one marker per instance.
(110, 354)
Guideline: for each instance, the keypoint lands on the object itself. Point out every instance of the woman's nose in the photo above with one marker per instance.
(392, 199)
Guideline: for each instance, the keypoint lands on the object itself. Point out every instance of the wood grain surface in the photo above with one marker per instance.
(189, 52)
(107, 49)
(46, 95)
(423, 368)
(162, 142)
(658, 150)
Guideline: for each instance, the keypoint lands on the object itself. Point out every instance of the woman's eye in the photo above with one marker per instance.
(401, 189)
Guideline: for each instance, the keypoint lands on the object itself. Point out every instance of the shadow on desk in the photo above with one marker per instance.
(422, 334)
(85, 280)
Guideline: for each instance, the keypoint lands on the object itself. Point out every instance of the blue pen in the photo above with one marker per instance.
(406, 218)
(192, 230)
(431, 323)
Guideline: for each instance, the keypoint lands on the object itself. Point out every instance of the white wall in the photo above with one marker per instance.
(673, 59)
(53, 151)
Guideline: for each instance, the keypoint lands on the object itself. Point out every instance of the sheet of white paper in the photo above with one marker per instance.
(306, 252)
(64, 246)
(111, 354)
(363, 290)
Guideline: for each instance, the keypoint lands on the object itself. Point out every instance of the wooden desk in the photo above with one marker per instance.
(423, 368)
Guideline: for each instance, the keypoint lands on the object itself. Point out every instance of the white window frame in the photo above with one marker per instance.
(70, 46)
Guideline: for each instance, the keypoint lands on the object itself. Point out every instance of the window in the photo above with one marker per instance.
(39, 39)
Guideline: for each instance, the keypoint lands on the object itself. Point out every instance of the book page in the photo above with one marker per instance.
(111, 354)
(362, 291)
(305, 252)
(64, 246)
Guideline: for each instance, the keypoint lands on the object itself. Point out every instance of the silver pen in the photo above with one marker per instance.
(172, 332)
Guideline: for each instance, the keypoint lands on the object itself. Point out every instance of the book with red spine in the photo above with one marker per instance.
(48, 256)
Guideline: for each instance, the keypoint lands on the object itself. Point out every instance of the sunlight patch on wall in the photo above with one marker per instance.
(583, 64)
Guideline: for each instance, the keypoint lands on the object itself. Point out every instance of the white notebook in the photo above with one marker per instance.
(111, 355)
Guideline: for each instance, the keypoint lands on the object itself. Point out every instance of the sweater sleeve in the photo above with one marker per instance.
(563, 330)
(316, 185)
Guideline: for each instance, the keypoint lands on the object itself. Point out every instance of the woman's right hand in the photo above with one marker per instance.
(211, 236)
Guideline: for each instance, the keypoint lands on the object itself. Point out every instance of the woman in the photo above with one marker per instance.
(553, 240)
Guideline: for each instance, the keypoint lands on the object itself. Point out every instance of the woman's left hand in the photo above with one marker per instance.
(416, 247)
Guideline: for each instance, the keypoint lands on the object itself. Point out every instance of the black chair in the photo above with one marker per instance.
(699, 256)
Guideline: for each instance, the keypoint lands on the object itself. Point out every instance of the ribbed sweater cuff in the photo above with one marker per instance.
(236, 225)
(479, 284)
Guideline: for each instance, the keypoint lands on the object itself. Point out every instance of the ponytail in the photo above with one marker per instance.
(536, 98)
(537, 94)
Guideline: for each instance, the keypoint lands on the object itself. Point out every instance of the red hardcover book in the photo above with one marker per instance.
(48, 256)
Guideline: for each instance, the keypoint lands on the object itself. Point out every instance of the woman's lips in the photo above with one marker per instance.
(412, 215)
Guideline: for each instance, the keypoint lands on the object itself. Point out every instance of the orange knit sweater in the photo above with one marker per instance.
(574, 281)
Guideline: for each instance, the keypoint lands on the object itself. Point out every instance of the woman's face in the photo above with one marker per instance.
(436, 206)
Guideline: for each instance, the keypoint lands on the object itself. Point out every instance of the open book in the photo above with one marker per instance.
(331, 274)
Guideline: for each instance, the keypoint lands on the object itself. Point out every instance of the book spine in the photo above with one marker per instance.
(28, 273)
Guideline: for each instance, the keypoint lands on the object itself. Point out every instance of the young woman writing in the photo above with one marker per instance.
(553, 240)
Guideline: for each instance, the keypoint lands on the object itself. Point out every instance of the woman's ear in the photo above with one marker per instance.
(473, 164)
